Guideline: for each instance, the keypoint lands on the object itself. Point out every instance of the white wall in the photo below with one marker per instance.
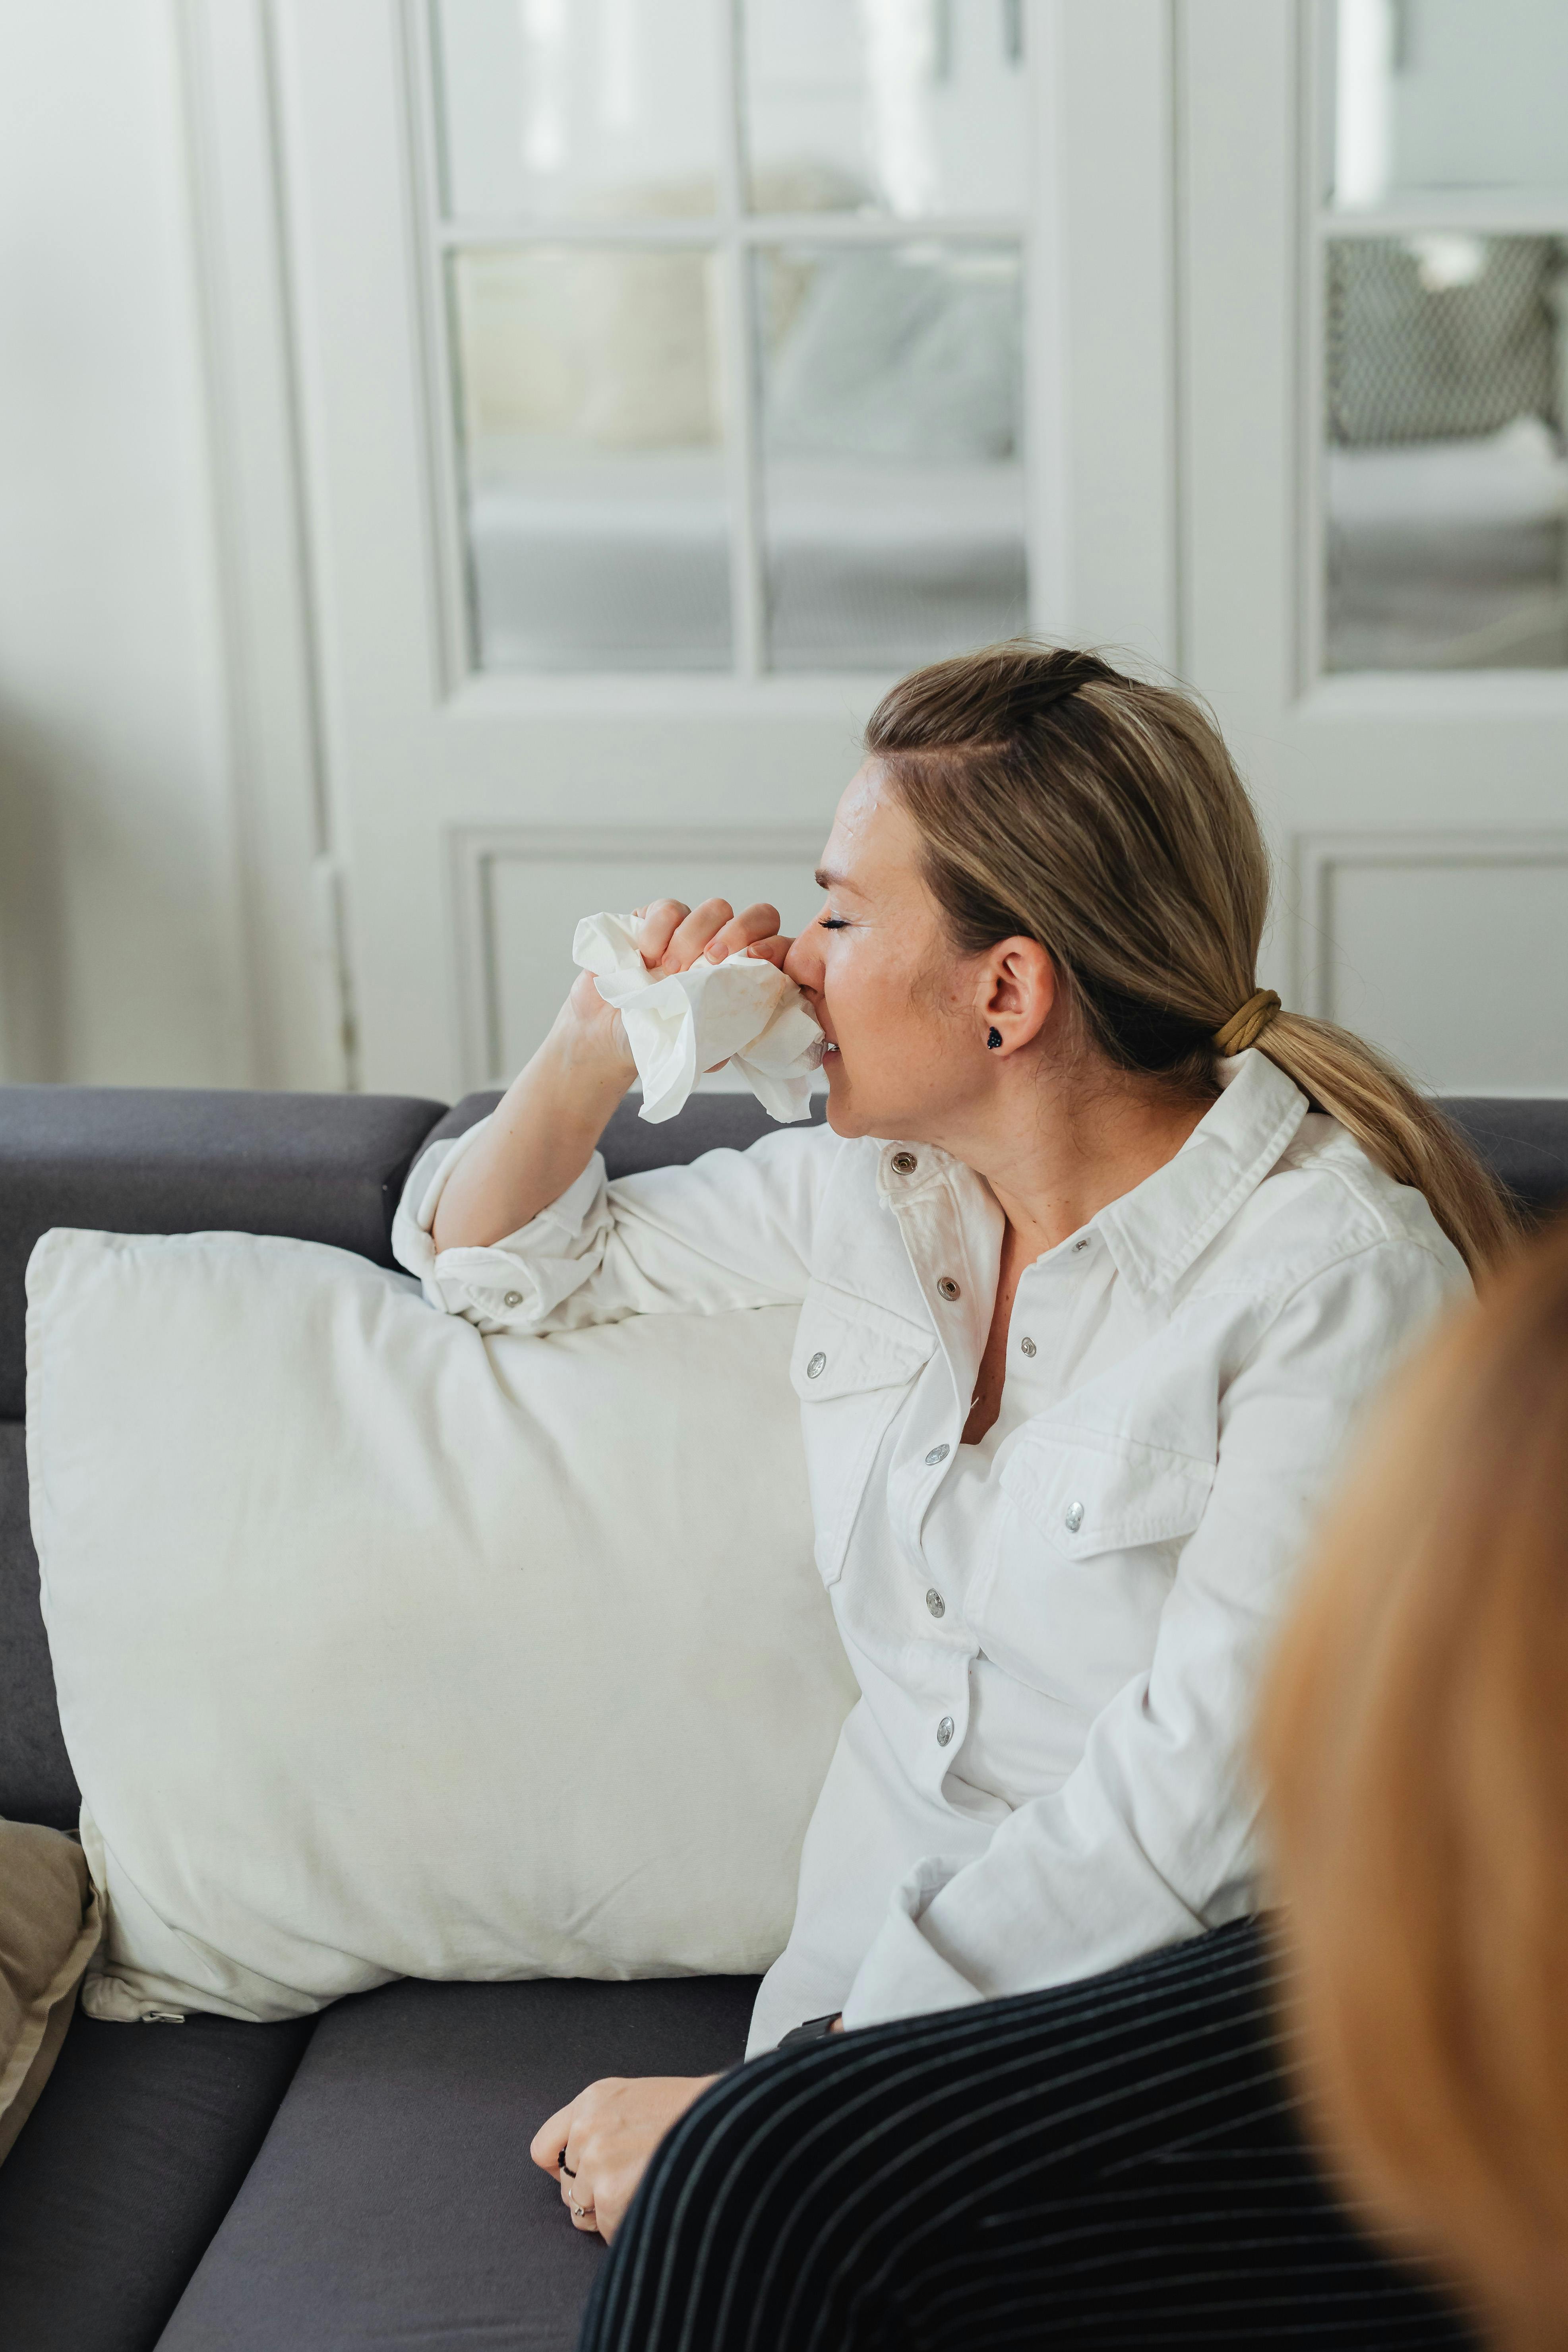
(119, 958)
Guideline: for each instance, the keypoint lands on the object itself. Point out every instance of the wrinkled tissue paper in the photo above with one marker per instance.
(741, 1012)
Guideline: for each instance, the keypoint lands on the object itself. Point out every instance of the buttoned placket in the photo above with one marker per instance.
(959, 1297)
(935, 1237)
(1054, 1294)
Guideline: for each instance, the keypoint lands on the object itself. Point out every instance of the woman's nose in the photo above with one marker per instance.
(803, 961)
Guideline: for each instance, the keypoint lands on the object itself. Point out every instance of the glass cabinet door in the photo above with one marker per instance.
(734, 301)
(1444, 282)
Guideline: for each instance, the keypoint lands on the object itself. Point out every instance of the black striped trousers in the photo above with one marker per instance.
(1114, 2163)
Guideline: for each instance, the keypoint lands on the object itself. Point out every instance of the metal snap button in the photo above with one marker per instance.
(1081, 1243)
(948, 1287)
(938, 1454)
(905, 1163)
(1028, 1346)
(935, 1602)
(512, 1298)
(817, 1365)
(944, 1731)
(1074, 1517)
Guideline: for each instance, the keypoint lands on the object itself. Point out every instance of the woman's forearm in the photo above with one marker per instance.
(543, 1136)
(546, 1126)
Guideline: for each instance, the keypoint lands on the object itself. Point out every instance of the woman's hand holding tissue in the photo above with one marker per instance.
(546, 1126)
(672, 938)
(733, 1004)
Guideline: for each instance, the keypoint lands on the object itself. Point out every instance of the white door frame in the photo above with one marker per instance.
(291, 886)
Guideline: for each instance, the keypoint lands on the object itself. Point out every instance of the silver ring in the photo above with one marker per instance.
(582, 2211)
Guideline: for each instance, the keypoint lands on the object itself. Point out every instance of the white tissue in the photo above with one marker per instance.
(742, 1012)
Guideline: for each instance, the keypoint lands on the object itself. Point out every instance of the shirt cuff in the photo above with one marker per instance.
(512, 1285)
(903, 1974)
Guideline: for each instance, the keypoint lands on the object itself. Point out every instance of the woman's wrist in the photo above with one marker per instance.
(591, 1055)
(543, 1133)
(555, 1111)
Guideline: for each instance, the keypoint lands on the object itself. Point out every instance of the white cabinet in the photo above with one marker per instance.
(668, 377)
(1373, 494)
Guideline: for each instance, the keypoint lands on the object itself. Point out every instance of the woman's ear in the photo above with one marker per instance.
(1016, 992)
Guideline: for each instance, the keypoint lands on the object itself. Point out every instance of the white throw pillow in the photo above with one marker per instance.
(384, 1649)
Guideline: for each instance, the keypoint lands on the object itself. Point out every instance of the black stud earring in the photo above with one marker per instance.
(995, 1039)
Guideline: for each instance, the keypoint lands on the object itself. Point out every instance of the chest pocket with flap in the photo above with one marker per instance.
(853, 1366)
(1071, 1598)
(1087, 1493)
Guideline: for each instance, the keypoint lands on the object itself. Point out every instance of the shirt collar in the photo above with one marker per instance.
(1159, 1229)
(903, 1168)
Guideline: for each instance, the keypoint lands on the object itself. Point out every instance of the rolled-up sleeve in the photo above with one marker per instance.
(520, 1283)
(729, 1229)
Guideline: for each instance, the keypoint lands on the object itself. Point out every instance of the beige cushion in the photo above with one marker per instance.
(385, 1648)
(48, 1932)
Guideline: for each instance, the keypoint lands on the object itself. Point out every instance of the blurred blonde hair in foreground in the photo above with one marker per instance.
(1415, 1746)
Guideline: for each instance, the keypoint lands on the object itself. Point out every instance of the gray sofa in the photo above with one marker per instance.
(359, 2180)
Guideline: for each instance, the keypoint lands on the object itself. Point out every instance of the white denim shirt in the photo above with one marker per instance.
(1057, 1632)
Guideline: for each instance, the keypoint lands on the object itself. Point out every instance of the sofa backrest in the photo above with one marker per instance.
(325, 1168)
(629, 1144)
(322, 1167)
(1524, 1142)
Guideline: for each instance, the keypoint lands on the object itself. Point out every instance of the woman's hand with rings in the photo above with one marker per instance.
(598, 2147)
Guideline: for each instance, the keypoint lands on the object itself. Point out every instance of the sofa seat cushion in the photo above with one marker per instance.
(394, 2204)
(124, 2169)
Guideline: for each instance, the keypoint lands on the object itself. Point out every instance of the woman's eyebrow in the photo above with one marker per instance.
(826, 879)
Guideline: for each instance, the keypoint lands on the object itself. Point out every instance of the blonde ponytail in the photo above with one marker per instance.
(1102, 815)
(1401, 1129)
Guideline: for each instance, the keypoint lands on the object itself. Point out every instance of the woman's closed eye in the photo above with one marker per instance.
(833, 922)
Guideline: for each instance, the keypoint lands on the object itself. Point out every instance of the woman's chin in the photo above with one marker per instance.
(841, 1118)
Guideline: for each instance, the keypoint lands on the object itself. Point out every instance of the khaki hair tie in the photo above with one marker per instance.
(1246, 1023)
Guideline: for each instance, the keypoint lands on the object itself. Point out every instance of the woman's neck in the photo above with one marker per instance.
(1062, 1152)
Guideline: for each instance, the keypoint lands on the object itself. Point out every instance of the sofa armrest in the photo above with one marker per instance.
(319, 1168)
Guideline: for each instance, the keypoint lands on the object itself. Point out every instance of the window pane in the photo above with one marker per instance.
(1438, 95)
(557, 108)
(910, 107)
(597, 517)
(893, 506)
(1448, 484)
